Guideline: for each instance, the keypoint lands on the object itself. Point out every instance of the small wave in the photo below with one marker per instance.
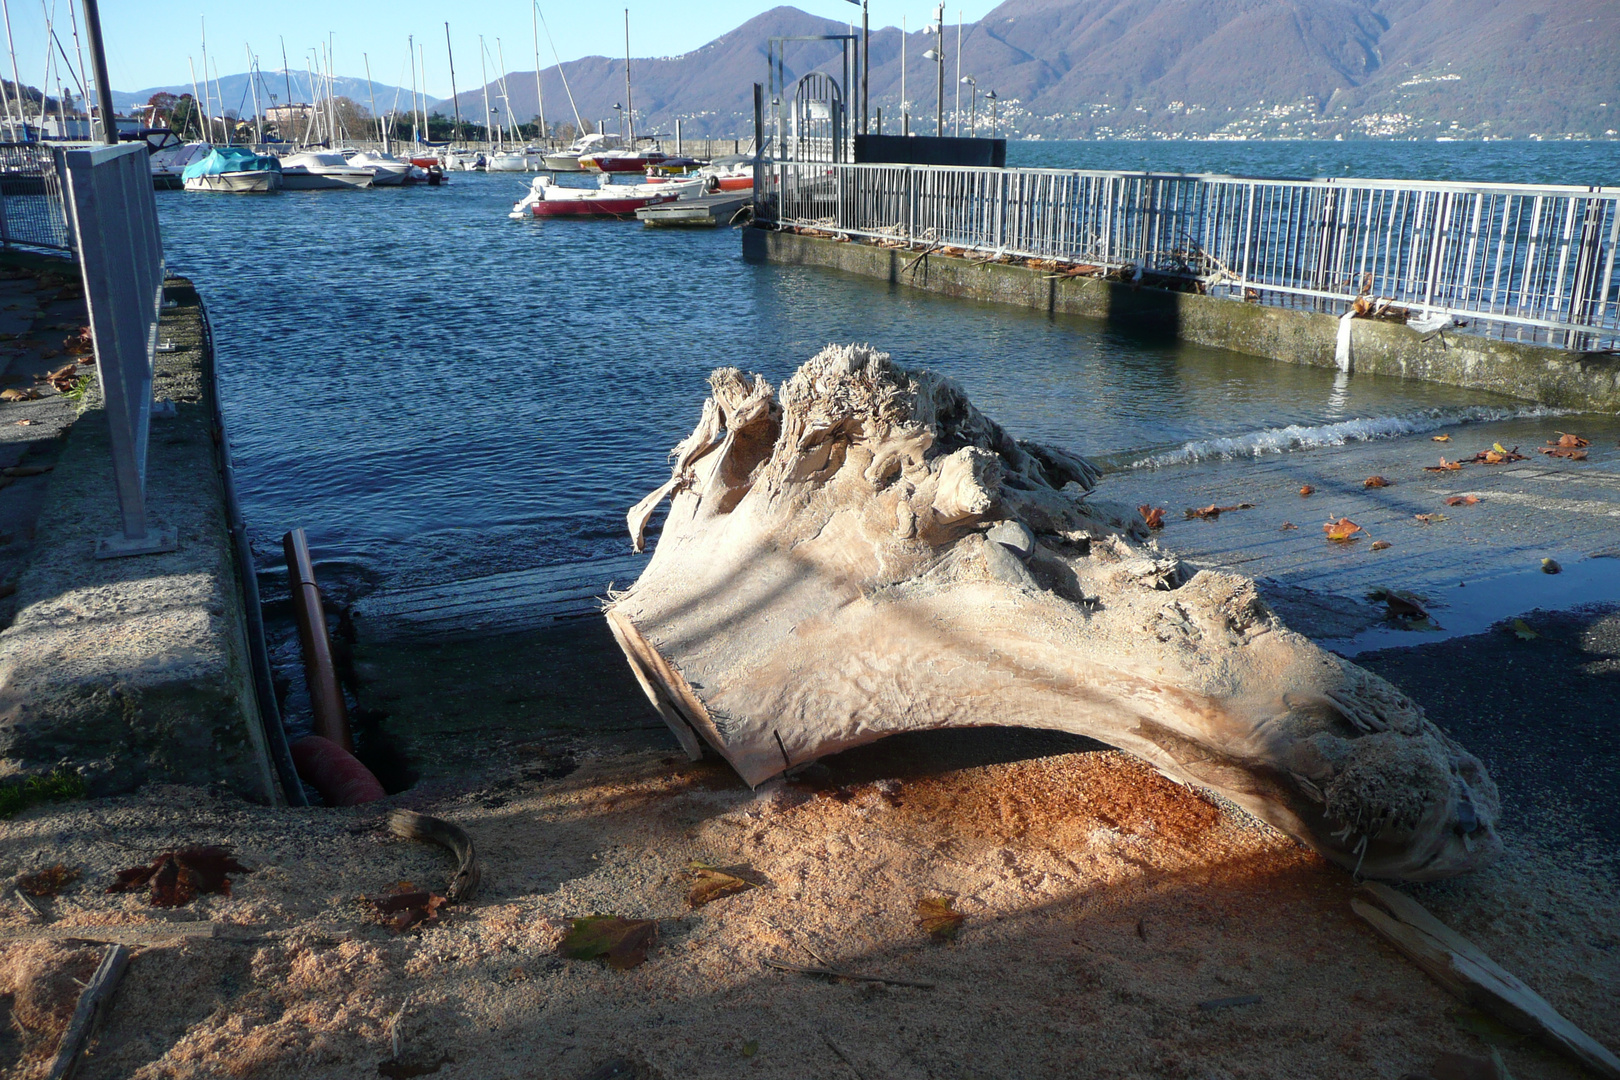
(1302, 437)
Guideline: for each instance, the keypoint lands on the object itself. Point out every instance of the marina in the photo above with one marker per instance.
(781, 579)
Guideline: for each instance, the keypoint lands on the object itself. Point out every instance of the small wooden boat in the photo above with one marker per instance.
(622, 161)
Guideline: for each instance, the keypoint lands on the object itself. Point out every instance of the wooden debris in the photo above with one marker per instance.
(453, 838)
(93, 1004)
(833, 973)
(1464, 970)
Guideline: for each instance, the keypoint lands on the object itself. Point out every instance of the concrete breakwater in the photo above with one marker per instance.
(136, 670)
(1550, 376)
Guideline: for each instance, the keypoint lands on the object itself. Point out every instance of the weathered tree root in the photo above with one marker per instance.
(873, 555)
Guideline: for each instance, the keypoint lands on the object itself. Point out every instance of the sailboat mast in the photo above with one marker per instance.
(258, 117)
(286, 77)
(629, 110)
(208, 102)
(427, 129)
(506, 96)
(539, 96)
(410, 54)
(78, 47)
(193, 68)
(371, 92)
(560, 72)
(331, 91)
(454, 100)
(483, 74)
(16, 79)
(50, 57)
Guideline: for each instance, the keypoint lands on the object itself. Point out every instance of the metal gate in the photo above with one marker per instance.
(818, 119)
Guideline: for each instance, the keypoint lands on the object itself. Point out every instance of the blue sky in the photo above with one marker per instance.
(148, 43)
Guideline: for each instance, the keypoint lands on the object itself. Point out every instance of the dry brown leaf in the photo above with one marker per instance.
(1306, 490)
(19, 395)
(1497, 455)
(1153, 515)
(1287, 525)
(178, 877)
(47, 882)
(1566, 452)
(1444, 466)
(623, 943)
(403, 910)
(1210, 513)
(1380, 545)
(1342, 531)
(938, 916)
(1430, 519)
(1376, 482)
(1568, 441)
(1462, 500)
(711, 883)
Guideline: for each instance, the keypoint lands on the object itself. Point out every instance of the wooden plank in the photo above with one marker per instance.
(497, 603)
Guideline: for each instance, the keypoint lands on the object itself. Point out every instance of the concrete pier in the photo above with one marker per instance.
(135, 670)
(1558, 377)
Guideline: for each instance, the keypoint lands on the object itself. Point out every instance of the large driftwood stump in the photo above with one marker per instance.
(872, 555)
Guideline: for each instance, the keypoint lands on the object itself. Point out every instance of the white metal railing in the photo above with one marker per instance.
(1531, 262)
(115, 230)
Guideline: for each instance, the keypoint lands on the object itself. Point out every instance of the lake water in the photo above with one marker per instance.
(436, 392)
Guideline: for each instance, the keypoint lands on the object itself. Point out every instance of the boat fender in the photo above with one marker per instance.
(334, 772)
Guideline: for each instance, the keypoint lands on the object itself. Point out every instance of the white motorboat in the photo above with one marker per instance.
(313, 170)
(463, 161)
(233, 169)
(526, 160)
(545, 198)
(568, 160)
(386, 169)
(169, 164)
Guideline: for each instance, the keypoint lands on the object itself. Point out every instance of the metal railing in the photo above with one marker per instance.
(32, 212)
(1534, 263)
(115, 227)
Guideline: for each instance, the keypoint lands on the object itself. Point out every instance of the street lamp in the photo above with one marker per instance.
(620, 110)
(938, 30)
(973, 124)
(991, 98)
(866, 64)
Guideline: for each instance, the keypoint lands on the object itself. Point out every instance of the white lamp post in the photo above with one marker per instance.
(973, 125)
(866, 64)
(991, 98)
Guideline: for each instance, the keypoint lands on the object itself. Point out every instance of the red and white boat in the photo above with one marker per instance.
(548, 199)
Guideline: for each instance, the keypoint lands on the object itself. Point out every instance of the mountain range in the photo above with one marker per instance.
(1152, 68)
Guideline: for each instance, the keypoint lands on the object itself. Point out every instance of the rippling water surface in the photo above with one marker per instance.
(437, 392)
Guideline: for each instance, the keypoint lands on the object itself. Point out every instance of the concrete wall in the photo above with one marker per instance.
(1532, 372)
(136, 670)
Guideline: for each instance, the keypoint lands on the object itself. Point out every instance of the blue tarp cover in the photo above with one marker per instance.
(230, 159)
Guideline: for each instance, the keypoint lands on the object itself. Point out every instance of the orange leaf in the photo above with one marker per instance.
(1210, 513)
(1153, 515)
(1570, 441)
(1375, 482)
(1380, 545)
(1342, 531)
(1306, 490)
(1462, 500)
(1444, 466)
(1441, 438)
(938, 916)
(1563, 452)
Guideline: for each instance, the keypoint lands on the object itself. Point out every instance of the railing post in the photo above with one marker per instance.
(114, 223)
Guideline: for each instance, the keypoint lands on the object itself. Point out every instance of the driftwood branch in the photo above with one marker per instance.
(93, 1004)
(450, 836)
(833, 973)
(1462, 967)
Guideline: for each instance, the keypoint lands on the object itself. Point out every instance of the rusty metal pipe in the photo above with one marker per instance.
(325, 698)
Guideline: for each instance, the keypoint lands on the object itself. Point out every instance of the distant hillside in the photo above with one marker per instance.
(1144, 68)
(237, 96)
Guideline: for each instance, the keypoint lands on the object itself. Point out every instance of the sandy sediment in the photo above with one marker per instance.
(1103, 902)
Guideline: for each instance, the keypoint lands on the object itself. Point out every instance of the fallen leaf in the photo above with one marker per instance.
(622, 943)
(178, 877)
(1342, 531)
(1444, 466)
(938, 916)
(750, 1048)
(1441, 438)
(711, 883)
(403, 910)
(1380, 545)
(1563, 452)
(1570, 441)
(1462, 500)
(1210, 513)
(1375, 482)
(1430, 519)
(1287, 525)
(27, 423)
(1306, 490)
(1550, 566)
(47, 882)
(1496, 455)
(1153, 515)
(1522, 631)
(19, 395)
